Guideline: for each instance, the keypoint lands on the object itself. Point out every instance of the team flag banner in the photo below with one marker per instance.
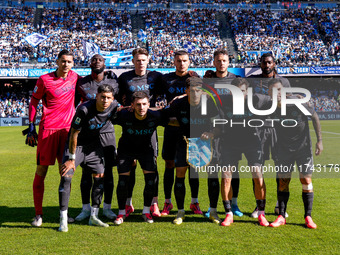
(199, 152)
(118, 58)
(142, 35)
(90, 49)
(35, 39)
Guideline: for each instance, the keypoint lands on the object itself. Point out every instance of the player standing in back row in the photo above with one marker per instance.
(57, 92)
(174, 85)
(140, 79)
(88, 87)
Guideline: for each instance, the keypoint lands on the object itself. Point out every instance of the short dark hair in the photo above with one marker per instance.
(221, 52)
(274, 81)
(238, 82)
(105, 88)
(140, 51)
(193, 82)
(267, 55)
(181, 53)
(139, 95)
(65, 52)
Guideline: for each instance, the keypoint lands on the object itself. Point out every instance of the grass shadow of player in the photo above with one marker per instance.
(25, 215)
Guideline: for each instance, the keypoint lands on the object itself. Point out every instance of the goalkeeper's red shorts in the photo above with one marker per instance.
(51, 146)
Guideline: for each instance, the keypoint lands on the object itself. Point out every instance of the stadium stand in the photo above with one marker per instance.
(297, 37)
(196, 31)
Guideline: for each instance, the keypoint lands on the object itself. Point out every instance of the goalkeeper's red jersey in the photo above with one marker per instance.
(57, 95)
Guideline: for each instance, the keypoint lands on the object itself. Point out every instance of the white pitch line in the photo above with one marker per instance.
(327, 132)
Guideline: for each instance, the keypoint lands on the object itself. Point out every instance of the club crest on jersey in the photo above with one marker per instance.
(77, 121)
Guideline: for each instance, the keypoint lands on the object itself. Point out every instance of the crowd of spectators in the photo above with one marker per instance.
(297, 37)
(14, 101)
(195, 30)
(290, 35)
(109, 29)
(329, 27)
(15, 24)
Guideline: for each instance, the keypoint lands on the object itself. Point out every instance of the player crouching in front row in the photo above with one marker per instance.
(85, 149)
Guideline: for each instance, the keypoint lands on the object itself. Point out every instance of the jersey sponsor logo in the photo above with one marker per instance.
(66, 88)
(198, 121)
(178, 90)
(77, 121)
(35, 89)
(141, 131)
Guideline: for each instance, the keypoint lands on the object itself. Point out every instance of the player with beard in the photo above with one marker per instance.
(135, 143)
(57, 92)
(173, 85)
(295, 146)
(87, 88)
(267, 133)
(140, 79)
(221, 63)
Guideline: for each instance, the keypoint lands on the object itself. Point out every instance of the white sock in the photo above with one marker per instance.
(234, 201)
(154, 200)
(260, 212)
(168, 201)
(146, 209)
(231, 213)
(94, 211)
(129, 201)
(87, 207)
(194, 200)
(106, 206)
(63, 214)
(121, 212)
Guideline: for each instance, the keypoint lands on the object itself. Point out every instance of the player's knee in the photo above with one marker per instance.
(150, 179)
(41, 170)
(65, 184)
(169, 163)
(123, 181)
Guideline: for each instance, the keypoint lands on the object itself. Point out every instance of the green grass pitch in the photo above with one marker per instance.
(195, 236)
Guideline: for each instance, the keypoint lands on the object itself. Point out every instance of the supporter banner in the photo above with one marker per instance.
(293, 70)
(117, 58)
(329, 115)
(325, 70)
(35, 39)
(14, 72)
(280, 70)
(25, 121)
(10, 122)
(38, 72)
